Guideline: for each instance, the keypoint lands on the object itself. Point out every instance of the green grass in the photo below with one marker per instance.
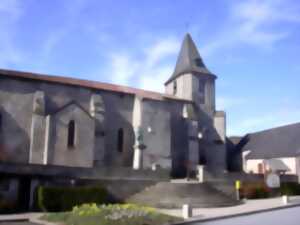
(121, 214)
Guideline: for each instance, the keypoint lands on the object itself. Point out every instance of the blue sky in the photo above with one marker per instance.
(252, 45)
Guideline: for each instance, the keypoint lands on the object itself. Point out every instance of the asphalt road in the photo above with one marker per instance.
(288, 216)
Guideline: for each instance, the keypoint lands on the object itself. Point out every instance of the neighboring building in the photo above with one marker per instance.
(276, 150)
(50, 123)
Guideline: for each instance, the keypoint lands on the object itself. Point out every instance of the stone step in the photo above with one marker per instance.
(174, 195)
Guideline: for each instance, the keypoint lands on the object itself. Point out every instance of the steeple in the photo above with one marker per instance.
(189, 60)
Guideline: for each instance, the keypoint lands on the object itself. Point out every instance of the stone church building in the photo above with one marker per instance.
(55, 126)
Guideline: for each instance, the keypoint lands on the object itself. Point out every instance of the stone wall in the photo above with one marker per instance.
(157, 134)
(40, 137)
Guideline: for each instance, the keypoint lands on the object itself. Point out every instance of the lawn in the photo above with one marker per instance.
(121, 214)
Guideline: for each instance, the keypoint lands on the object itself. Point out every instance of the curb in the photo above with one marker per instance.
(42, 222)
(14, 220)
(235, 215)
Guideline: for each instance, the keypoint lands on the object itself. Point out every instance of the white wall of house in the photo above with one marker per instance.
(252, 165)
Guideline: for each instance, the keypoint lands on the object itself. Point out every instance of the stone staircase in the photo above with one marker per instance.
(225, 187)
(175, 194)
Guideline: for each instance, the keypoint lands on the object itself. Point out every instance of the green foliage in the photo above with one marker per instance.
(57, 199)
(121, 214)
(6, 206)
(260, 192)
(255, 190)
(290, 188)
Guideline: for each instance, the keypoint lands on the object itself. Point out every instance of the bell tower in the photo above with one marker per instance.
(191, 79)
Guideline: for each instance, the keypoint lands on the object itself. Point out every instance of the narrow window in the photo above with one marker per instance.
(174, 87)
(71, 134)
(202, 158)
(201, 85)
(0, 122)
(120, 140)
(201, 89)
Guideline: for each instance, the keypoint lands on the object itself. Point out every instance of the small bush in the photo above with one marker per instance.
(290, 188)
(57, 199)
(7, 206)
(255, 191)
(121, 214)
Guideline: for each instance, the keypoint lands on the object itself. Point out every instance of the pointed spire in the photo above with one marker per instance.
(189, 60)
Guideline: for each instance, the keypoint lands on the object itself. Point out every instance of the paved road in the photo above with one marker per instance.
(288, 216)
(17, 223)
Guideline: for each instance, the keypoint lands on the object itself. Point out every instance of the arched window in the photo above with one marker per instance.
(120, 140)
(174, 87)
(71, 134)
(202, 158)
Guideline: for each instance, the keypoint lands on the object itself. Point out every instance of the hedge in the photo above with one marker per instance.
(57, 199)
(290, 188)
(255, 190)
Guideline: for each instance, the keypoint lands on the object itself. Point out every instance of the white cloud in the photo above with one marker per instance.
(261, 23)
(256, 20)
(154, 79)
(149, 70)
(160, 50)
(123, 68)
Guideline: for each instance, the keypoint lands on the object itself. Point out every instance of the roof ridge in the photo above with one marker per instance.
(275, 128)
(88, 84)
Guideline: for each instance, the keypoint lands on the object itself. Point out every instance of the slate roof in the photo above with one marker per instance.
(274, 143)
(88, 84)
(276, 165)
(189, 60)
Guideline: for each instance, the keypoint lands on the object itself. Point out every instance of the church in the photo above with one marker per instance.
(59, 121)
(53, 126)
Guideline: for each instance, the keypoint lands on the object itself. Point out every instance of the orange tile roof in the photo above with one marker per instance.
(88, 84)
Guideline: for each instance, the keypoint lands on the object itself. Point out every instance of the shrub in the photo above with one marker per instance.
(56, 199)
(255, 190)
(290, 188)
(7, 206)
(121, 214)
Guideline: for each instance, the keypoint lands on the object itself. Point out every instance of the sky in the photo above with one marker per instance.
(253, 46)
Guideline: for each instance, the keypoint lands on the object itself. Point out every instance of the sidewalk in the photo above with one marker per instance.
(249, 207)
(24, 217)
(19, 216)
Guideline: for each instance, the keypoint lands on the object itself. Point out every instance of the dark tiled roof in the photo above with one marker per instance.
(189, 60)
(88, 84)
(274, 143)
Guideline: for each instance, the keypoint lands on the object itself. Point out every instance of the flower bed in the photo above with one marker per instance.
(121, 214)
